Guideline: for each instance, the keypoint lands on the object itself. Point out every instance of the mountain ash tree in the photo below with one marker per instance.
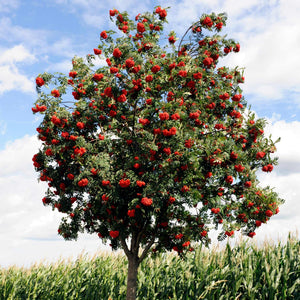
(149, 144)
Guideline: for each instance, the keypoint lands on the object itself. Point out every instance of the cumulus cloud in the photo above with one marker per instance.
(11, 78)
(287, 186)
(12, 162)
(269, 70)
(269, 35)
(16, 54)
(284, 179)
(288, 147)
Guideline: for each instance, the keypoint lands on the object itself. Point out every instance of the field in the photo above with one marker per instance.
(245, 271)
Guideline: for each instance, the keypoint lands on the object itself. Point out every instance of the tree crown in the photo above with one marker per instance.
(156, 144)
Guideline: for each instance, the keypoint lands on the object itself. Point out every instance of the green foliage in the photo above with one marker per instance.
(243, 272)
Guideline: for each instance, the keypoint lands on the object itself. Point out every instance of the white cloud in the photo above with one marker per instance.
(40, 42)
(270, 43)
(269, 34)
(24, 222)
(11, 78)
(288, 148)
(94, 20)
(16, 54)
(63, 47)
(288, 219)
(95, 13)
(269, 58)
(12, 162)
(64, 66)
(285, 180)
(18, 34)
(8, 5)
(235, 8)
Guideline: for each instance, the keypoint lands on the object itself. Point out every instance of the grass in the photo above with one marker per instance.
(245, 271)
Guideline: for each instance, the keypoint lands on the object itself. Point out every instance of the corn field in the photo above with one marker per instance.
(245, 271)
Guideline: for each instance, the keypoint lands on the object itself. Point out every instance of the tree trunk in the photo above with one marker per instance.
(133, 264)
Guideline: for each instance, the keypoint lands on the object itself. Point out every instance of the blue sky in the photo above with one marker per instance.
(38, 36)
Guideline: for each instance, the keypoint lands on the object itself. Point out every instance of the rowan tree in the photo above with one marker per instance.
(150, 145)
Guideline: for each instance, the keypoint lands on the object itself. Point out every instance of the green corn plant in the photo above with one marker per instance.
(242, 272)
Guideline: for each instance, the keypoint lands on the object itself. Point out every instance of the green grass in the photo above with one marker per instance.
(242, 272)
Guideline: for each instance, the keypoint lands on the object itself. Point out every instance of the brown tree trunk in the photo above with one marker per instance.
(133, 264)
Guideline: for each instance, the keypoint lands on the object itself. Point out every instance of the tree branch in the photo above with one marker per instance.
(125, 247)
(184, 36)
(145, 251)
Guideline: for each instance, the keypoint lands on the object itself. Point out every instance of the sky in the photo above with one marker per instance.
(39, 35)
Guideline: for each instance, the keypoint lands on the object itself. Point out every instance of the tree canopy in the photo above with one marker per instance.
(149, 144)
